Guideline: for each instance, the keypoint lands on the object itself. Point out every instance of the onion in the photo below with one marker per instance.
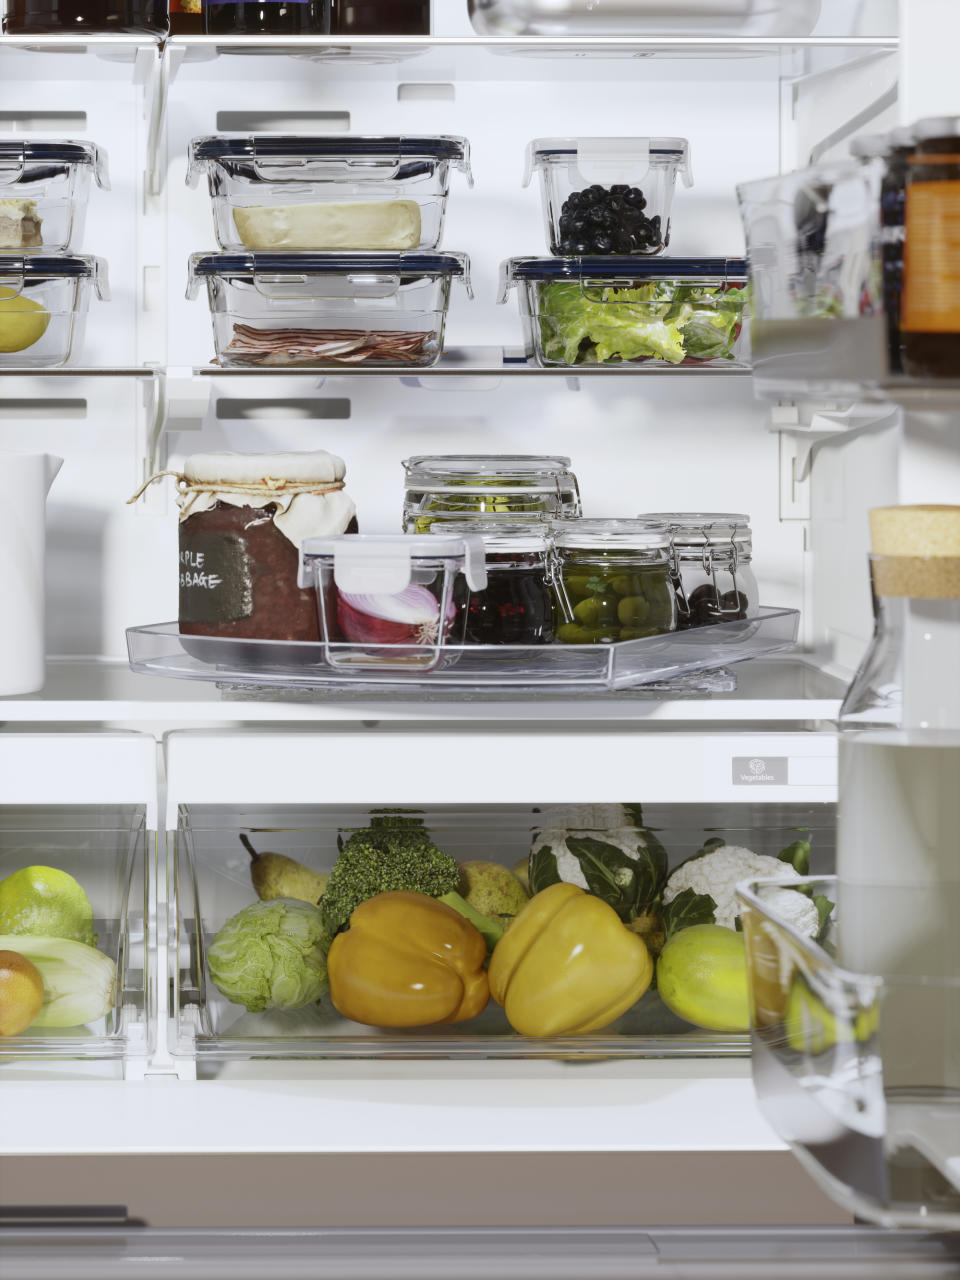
(409, 617)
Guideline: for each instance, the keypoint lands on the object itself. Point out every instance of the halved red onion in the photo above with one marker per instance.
(410, 616)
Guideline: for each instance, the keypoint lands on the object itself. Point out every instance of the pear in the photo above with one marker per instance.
(274, 875)
(491, 889)
(521, 869)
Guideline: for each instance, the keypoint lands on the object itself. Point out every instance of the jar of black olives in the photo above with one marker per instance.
(612, 580)
(710, 566)
(516, 606)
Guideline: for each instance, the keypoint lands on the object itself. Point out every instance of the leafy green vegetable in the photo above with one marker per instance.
(686, 909)
(272, 955)
(79, 982)
(797, 855)
(824, 911)
(658, 321)
(543, 869)
(628, 875)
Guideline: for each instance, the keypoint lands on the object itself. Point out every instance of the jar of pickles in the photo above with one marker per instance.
(517, 605)
(454, 486)
(612, 580)
(710, 565)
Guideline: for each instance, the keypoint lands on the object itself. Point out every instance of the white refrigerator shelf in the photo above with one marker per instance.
(159, 649)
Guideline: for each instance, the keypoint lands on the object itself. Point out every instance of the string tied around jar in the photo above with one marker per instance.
(267, 483)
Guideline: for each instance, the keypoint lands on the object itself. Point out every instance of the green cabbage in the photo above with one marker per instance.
(658, 321)
(272, 955)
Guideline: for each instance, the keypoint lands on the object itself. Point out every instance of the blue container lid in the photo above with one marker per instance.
(406, 266)
(33, 265)
(54, 154)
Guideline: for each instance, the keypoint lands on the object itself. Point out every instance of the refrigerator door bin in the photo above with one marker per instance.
(213, 877)
(327, 192)
(859, 1073)
(159, 649)
(104, 849)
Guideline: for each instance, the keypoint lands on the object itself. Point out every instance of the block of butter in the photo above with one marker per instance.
(20, 225)
(371, 224)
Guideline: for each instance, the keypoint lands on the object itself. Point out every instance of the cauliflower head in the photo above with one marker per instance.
(718, 873)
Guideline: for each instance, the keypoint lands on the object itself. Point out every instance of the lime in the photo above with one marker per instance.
(22, 321)
(813, 1029)
(702, 977)
(46, 902)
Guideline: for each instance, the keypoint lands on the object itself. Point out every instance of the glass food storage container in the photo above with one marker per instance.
(516, 607)
(613, 581)
(621, 311)
(277, 193)
(333, 309)
(43, 308)
(644, 17)
(482, 486)
(813, 242)
(44, 188)
(385, 600)
(710, 563)
(608, 195)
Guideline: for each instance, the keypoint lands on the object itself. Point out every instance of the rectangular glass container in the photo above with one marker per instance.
(43, 308)
(623, 311)
(515, 487)
(44, 188)
(324, 310)
(277, 194)
(608, 195)
(104, 848)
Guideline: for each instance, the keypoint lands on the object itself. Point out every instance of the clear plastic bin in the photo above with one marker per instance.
(519, 487)
(622, 311)
(104, 849)
(608, 195)
(275, 194)
(813, 242)
(328, 310)
(43, 308)
(644, 17)
(872, 1113)
(44, 187)
(388, 600)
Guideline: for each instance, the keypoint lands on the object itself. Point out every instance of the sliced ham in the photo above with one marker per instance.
(338, 346)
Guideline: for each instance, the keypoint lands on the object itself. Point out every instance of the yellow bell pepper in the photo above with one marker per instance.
(408, 961)
(567, 965)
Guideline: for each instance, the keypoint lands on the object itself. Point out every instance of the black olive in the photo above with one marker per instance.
(734, 600)
(596, 216)
(619, 188)
(567, 246)
(623, 242)
(572, 201)
(655, 220)
(581, 246)
(597, 190)
(587, 198)
(578, 224)
(565, 223)
(603, 244)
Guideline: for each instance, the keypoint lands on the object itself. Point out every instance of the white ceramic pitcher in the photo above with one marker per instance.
(25, 480)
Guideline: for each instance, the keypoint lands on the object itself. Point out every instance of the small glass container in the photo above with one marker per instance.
(607, 195)
(517, 605)
(43, 308)
(482, 486)
(328, 310)
(623, 311)
(931, 286)
(44, 188)
(613, 581)
(306, 194)
(388, 600)
(710, 564)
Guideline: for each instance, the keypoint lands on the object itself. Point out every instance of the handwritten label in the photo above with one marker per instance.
(215, 581)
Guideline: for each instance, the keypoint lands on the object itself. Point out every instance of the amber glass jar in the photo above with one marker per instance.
(931, 293)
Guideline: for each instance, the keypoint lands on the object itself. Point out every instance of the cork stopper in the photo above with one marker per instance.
(916, 552)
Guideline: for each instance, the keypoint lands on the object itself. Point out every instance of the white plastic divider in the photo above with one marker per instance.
(103, 768)
(383, 765)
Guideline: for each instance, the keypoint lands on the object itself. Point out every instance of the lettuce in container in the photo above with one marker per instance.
(662, 320)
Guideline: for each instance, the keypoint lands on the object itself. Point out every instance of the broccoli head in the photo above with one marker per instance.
(382, 859)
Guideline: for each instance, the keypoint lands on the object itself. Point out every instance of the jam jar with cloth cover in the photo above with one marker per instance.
(613, 581)
(517, 605)
(392, 600)
(710, 564)
(242, 519)
(487, 486)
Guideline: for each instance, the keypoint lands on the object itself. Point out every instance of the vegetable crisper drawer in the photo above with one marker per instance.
(260, 970)
(72, 904)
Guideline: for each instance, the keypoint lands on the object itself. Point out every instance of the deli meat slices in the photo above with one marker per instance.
(338, 346)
